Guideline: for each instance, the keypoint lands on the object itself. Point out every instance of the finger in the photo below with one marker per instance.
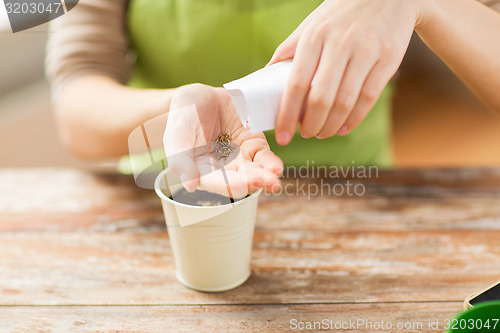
(235, 179)
(356, 72)
(304, 66)
(257, 150)
(215, 182)
(249, 177)
(269, 161)
(271, 181)
(372, 89)
(255, 175)
(262, 177)
(232, 183)
(323, 90)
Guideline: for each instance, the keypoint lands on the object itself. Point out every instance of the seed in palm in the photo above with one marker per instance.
(223, 147)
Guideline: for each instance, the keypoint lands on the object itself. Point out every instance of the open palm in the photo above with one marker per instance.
(198, 115)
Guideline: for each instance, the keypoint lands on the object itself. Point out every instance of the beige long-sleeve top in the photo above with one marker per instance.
(92, 39)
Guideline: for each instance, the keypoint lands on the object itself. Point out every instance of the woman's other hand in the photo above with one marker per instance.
(198, 115)
(351, 48)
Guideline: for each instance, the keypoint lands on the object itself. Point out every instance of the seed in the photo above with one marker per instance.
(226, 137)
(223, 147)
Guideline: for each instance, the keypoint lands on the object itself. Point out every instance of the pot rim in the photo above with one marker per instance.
(162, 195)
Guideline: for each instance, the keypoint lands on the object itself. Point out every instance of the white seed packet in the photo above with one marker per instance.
(257, 96)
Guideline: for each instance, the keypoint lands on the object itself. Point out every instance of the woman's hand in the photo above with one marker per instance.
(198, 115)
(351, 48)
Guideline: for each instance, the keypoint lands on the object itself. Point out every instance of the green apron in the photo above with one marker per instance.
(179, 42)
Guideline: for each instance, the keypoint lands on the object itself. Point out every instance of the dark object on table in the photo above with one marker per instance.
(492, 293)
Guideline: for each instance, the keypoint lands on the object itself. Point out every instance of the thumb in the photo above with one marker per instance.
(285, 51)
(183, 166)
(180, 146)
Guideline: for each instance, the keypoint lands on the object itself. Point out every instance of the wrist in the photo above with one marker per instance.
(155, 102)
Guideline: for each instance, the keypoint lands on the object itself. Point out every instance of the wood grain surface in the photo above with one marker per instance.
(404, 317)
(85, 252)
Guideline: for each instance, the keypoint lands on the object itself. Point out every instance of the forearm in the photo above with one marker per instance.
(96, 114)
(465, 35)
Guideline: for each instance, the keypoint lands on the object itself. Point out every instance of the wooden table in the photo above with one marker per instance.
(85, 252)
